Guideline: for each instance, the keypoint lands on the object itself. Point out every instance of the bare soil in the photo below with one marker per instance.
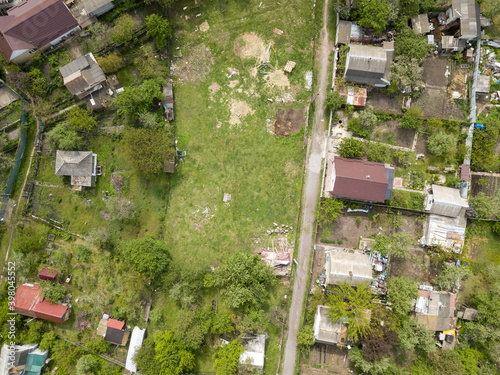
(434, 70)
(213, 88)
(421, 147)
(196, 65)
(117, 182)
(249, 45)
(327, 359)
(204, 26)
(289, 121)
(404, 137)
(239, 109)
(384, 103)
(233, 84)
(487, 185)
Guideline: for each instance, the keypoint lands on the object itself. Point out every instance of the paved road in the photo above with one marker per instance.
(311, 193)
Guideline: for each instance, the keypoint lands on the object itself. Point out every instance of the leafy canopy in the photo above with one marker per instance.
(226, 359)
(440, 143)
(244, 280)
(401, 294)
(61, 137)
(159, 29)
(329, 210)
(137, 99)
(351, 148)
(334, 101)
(81, 119)
(373, 14)
(147, 256)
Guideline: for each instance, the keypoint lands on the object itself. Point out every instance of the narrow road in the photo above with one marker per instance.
(311, 193)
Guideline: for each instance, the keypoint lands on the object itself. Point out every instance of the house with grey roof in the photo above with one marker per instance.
(445, 201)
(83, 76)
(347, 266)
(369, 65)
(326, 331)
(464, 14)
(436, 310)
(80, 165)
(87, 11)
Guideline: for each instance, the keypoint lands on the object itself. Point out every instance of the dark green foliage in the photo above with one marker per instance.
(189, 331)
(38, 84)
(81, 119)
(54, 292)
(370, 367)
(61, 137)
(407, 199)
(305, 339)
(351, 148)
(379, 152)
(88, 365)
(27, 241)
(440, 143)
(483, 145)
(329, 210)
(334, 101)
(138, 99)
(411, 119)
(411, 46)
(48, 340)
(158, 28)
(373, 14)
(243, 280)
(147, 256)
(451, 276)
(401, 293)
(226, 359)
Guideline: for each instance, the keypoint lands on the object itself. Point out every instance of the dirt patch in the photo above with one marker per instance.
(383, 102)
(14, 134)
(289, 121)
(204, 26)
(233, 84)
(434, 71)
(421, 147)
(403, 137)
(239, 109)
(484, 184)
(435, 102)
(196, 65)
(105, 216)
(117, 181)
(213, 88)
(277, 78)
(249, 45)
(327, 359)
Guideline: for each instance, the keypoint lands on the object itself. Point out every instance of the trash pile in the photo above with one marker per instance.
(280, 229)
(379, 284)
(492, 66)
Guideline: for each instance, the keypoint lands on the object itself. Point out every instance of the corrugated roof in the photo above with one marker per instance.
(448, 42)
(34, 24)
(359, 179)
(116, 324)
(368, 64)
(47, 273)
(135, 344)
(326, 331)
(355, 96)
(447, 195)
(29, 297)
(74, 163)
(469, 14)
(483, 84)
(344, 32)
(351, 267)
(464, 172)
(421, 24)
(82, 74)
(35, 362)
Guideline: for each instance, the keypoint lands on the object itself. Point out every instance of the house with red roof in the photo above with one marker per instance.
(34, 26)
(48, 275)
(30, 301)
(359, 180)
(113, 331)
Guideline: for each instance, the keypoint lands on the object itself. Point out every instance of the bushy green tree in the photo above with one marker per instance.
(48, 340)
(451, 276)
(379, 152)
(138, 99)
(227, 357)
(351, 148)
(402, 293)
(147, 256)
(400, 243)
(148, 120)
(411, 119)
(334, 101)
(406, 72)
(243, 280)
(329, 210)
(411, 46)
(305, 339)
(110, 63)
(54, 292)
(371, 367)
(81, 119)
(61, 137)
(413, 336)
(100, 35)
(124, 28)
(88, 365)
(373, 14)
(440, 143)
(159, 29)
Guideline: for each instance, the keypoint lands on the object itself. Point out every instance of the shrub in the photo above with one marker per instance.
(411, 119)
(111, 63)
(379, 153)
(351, 148)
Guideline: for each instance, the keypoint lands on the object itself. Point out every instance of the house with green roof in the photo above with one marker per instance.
(36, 361)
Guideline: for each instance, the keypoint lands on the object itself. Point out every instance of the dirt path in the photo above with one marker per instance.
(311, 192)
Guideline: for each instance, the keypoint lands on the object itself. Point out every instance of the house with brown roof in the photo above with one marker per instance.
(436, 310)
(30, 301)
(34, 26)
(83, 76)
(80, 165)
(48, 275)
(359, 180)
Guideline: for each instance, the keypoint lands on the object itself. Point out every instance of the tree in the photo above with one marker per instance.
(61, 137)
(147, 149)
(329, 210)
(147, 256)
(100, 35)
(138, 99)
(148, 120)
(37, 82)
(334, 101)
(415, 337)
(379, 152)
(111, 63)
(227, 357)
(147, 64)
(399, 244)
(411, 46)
(162, 3)
(305, 339)
(81, 119)
(145, 358)
(54, 292)
(368, 119)
(401, 294)
(48, 340)
(352, 306)
(451, 276)
(371, 367)
(373, 13)
(125, 25)
(351, 148)
(484, 205)
(171, 357)
(120, 208)
(87, 365)
(159, 29)
(406, 72)
(411, 119)
(243, 280)
(440, 143)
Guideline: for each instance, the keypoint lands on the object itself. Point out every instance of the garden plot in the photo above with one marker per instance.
(289, 121)
(381, 101)
(390, 132)
(327, 359)
(484, 184)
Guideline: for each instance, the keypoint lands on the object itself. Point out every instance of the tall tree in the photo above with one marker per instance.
(440, 143)
(159, 28)
(226, 359)
(147, 256)
(61, 137)
(329, 210)
(334, 101)
(351, 148)
(172, 358)
(81, 119)
(125, 25)
(373, 13)
(402, 293)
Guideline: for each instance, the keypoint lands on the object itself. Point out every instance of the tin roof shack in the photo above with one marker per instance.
(83, 76)
(87, 11)
(36, 362)
(361, 180)
(49, 275)
(369, 64)
(446, 232)
(436, 310)
(445, 201)
(421, 24)
(80, 165)
(280, 262)
(34, 25)
(255, 352)
(326, 331)
(468, 314)
(355, 96)
(465, 15)
(13, 358)
(449, 43)
(483, 85)
(29, 301)
(168, 102)
(113, 331)
(351, 267)
(135, 344)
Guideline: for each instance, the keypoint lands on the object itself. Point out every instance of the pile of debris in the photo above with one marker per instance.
(379, 285)
(378, 261)
(492, 65)
(280, 230)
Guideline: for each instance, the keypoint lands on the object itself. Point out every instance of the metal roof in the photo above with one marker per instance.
(347, 266)
(368, 64)
(355, 96)
(421, 24)
(255, 352)
(483, 84)
(135, 344)
(82, 74)
(436, 310)
(344, 32)
(326, 331)
(448, 195)
(468, 12)
(35, 362)
(114, 336)
(117, 324)
(74, 163)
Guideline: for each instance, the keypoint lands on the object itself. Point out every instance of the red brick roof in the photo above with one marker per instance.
(357, 179)
(116, 324)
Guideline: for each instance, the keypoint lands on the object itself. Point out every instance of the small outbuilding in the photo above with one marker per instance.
(113, 331)
(326, 331)
(355, 96)
(445, 201)
(468, 314)
(48, 275)
(483, 85)
(352, 267)
(80, 165)
(421, 24)
(83, 76)
(369, 64)
(135, 344)
(255, 352)
(36, 362)
(436, 310)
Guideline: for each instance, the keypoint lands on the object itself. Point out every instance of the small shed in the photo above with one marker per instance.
(445, 201)
(355, 96)
(483, 85)
(344, 32)
(468, 314)
(351, 267)
(326, 331)
(36, 362)
(255, 352)
(49, 275)
(436, 310)
(421, 24)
